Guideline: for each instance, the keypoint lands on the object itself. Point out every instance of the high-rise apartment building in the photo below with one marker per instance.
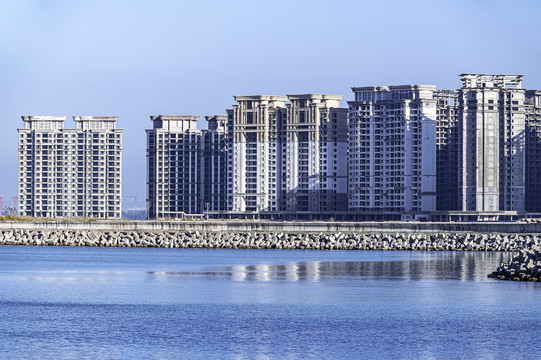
(446, 149)
(264, 156)
(392, 149)
(314, 153)
(287, 157)
(255, 152)
(214, 170)
(532, 107)
(173, 166)
(70, 172)
(491, 143)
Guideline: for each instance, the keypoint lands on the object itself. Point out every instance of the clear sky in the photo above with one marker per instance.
(134, 59)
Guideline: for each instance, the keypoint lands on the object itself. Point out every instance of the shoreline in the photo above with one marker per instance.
(526, 266)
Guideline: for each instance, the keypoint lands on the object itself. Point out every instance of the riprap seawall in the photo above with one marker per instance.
(234, 239)
(525, 266)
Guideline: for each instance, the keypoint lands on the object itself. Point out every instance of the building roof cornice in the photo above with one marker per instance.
(260, 98)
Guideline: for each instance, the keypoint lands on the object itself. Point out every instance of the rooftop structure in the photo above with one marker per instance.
(491, 81)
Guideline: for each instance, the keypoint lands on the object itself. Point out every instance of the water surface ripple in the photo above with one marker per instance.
(126, 303)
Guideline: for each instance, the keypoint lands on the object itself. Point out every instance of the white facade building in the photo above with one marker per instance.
(70, 172)
(491, 143)
(392, 149)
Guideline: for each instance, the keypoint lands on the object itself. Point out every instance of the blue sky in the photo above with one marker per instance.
(136, 58)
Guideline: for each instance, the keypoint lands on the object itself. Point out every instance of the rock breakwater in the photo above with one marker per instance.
(271, 240)
(525, 266)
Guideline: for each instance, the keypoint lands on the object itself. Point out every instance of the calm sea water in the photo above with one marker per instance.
(116, 303)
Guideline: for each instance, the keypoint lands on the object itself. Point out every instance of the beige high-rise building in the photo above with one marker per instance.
(255, 152)
(70, 172)
(287, 157)
(314, 150)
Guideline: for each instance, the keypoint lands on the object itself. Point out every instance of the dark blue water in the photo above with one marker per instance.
(115, 303)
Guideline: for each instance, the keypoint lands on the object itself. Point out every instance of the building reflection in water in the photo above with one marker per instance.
(423, 266)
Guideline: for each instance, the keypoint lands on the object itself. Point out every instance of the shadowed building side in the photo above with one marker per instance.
(447, 150)
(532, 107)
(214, 169)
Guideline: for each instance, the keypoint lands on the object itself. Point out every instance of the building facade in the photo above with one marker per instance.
(532, 107)
(314, 149)
(214, 169)
(173, 166)
(287, 156)
(70, 172)
(446, 149)
(491, 143)
(255, 152)
(392, 149)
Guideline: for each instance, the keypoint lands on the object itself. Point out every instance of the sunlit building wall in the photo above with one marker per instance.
(70, 172)
(392, 149)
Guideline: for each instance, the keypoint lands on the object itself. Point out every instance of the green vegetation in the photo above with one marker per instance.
(30, 218)
(23, 218)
